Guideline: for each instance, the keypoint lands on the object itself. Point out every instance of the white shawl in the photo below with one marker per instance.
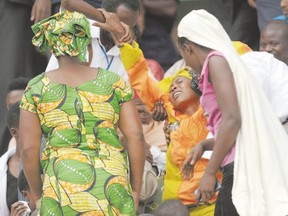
(4, 211)
(260, 185)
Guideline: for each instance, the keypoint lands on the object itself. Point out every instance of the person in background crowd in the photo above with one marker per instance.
(14, 94)
(266, 10)
(21, 207)
(273, 39)
(284, 14)
(19, 57)
(158, 21)
(154, 135)
(238, 18)
(10, 165)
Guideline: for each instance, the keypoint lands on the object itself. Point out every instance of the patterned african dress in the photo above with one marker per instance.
(84, 164)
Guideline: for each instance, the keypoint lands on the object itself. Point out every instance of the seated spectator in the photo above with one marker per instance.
(153, 135)
(20, 207)
(14, 93)
(273, 39)
(155, 149)
(9, 165)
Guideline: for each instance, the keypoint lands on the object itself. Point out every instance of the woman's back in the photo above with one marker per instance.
(79, 124)
(78, 116)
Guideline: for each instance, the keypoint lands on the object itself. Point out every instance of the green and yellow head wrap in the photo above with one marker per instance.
(65, 33)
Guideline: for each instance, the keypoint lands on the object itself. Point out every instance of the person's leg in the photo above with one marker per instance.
(224, 204)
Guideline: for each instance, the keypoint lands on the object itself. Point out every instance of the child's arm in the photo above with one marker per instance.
(224, 86)
(137, 69)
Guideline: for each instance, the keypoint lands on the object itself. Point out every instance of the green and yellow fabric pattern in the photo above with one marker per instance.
(65, 33)
(85, 166)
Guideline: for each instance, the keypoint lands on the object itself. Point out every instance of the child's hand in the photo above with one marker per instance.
(20, 208)
(195, 154)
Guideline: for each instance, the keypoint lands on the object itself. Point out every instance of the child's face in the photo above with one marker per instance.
(28, 196)
(284, 6)
(13, 97)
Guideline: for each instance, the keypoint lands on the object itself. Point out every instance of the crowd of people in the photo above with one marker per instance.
(111, 113)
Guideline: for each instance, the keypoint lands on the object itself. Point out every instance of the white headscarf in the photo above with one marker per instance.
(260, 184)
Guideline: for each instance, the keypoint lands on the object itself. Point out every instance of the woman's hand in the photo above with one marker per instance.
(194, 155)
(159, 112)
(20, 207)
(206, 190)
(41, 9)
(252, 3)
(38, 203)
(136, 196)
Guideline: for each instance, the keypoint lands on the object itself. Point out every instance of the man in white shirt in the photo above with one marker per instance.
(272, 75)
(105, 53)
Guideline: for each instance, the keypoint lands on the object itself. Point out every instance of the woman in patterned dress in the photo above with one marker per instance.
(78, 109)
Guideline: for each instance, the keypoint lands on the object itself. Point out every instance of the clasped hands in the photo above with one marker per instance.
(120, 32)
